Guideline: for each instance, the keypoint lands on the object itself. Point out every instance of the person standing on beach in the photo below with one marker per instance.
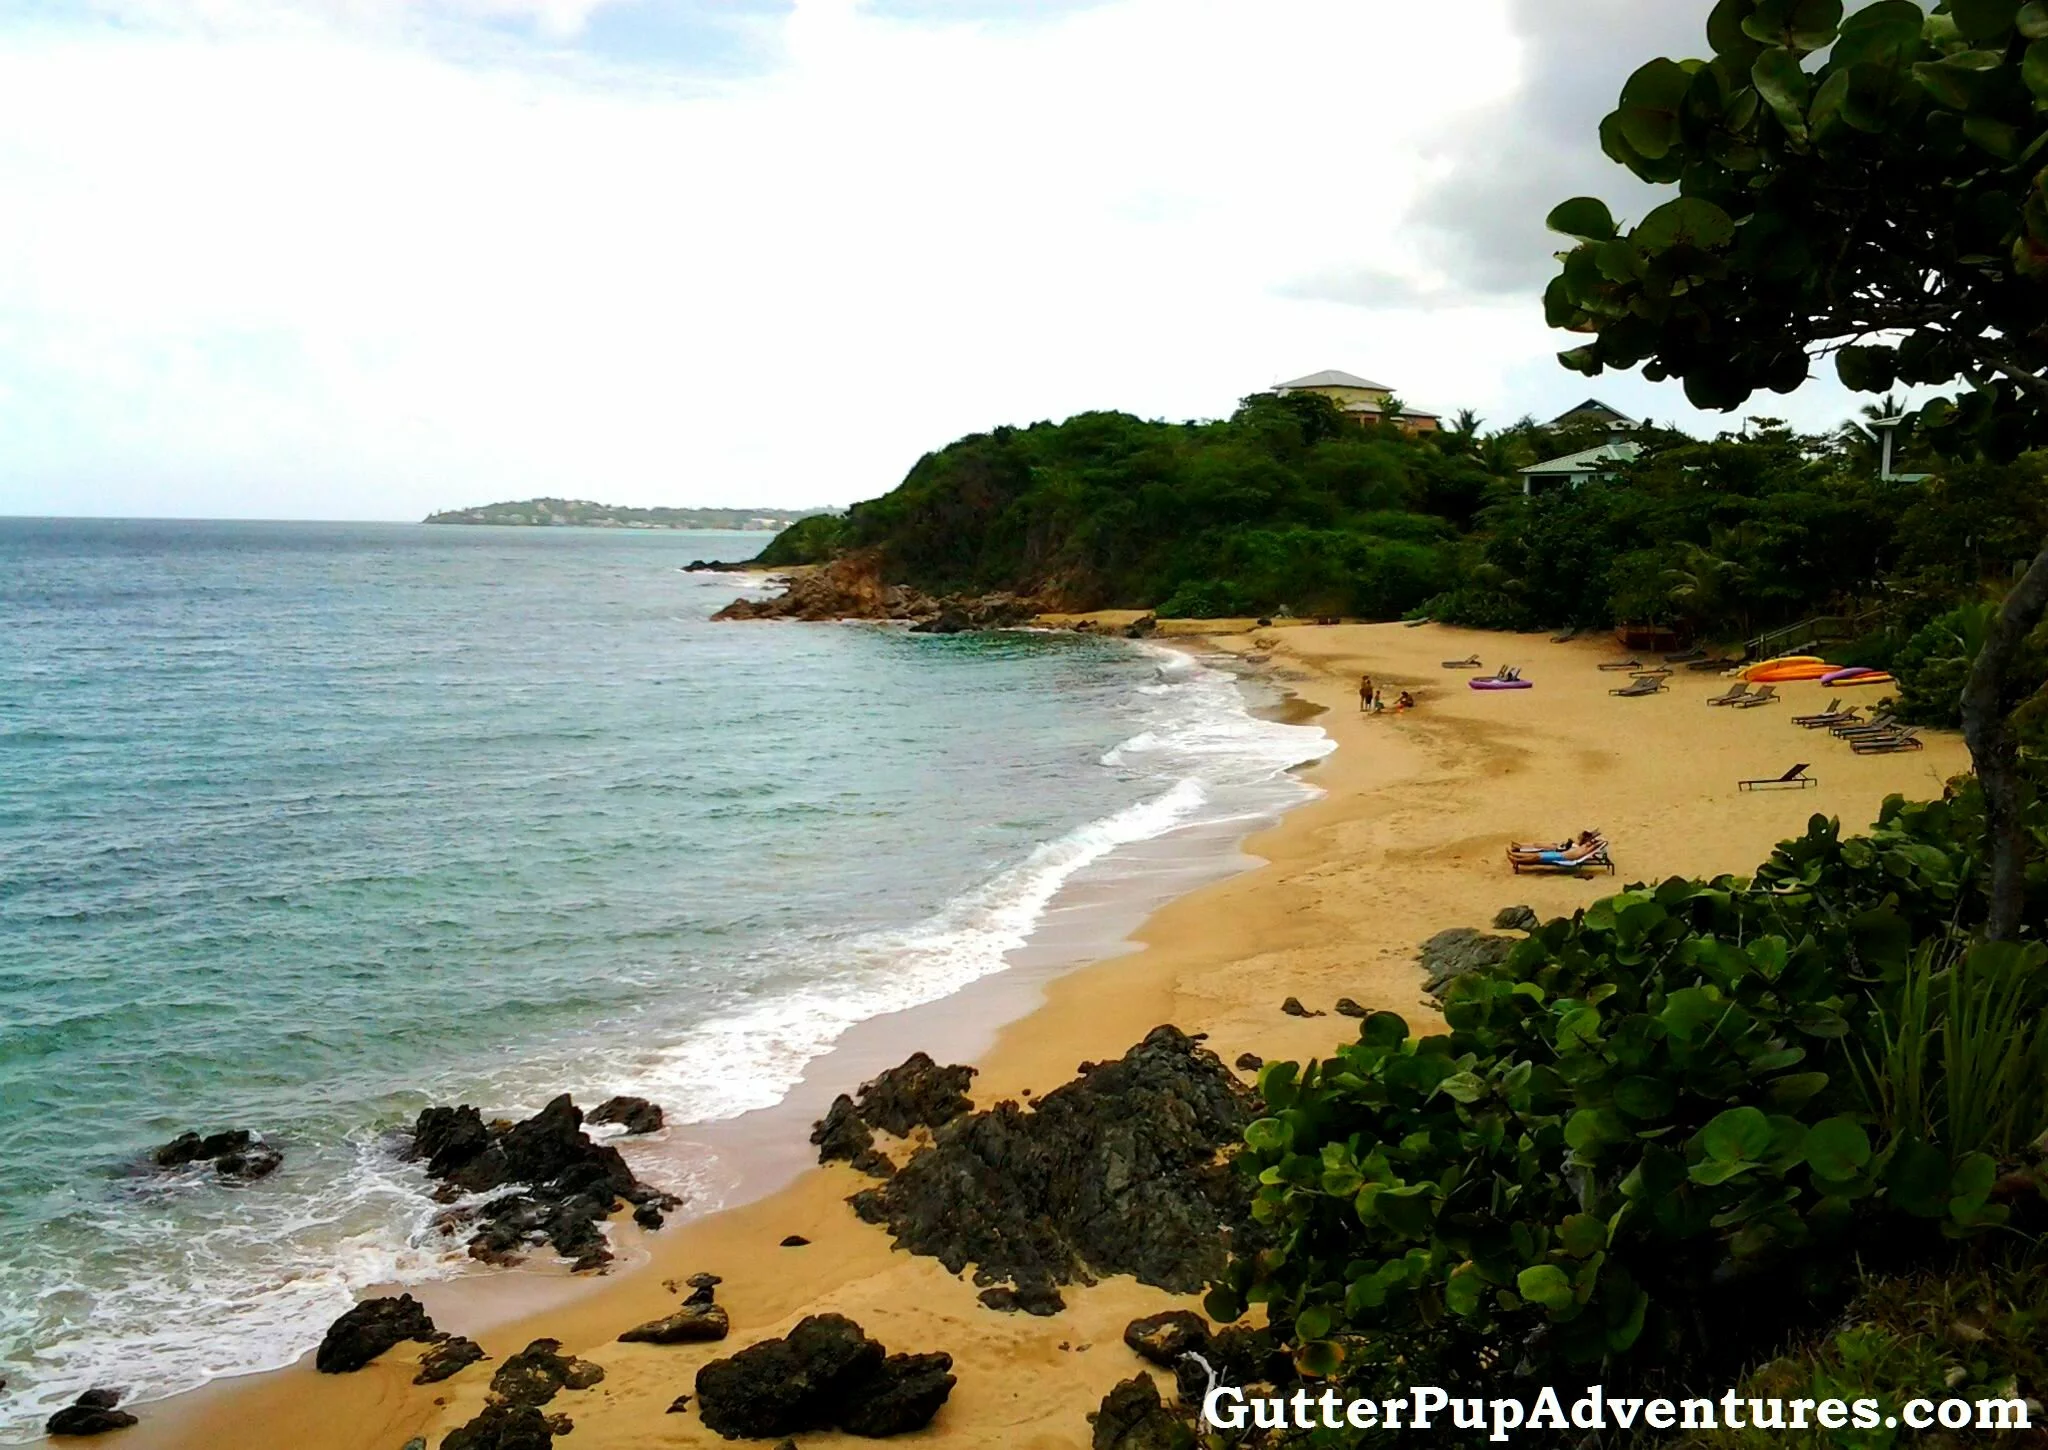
(1364, 693)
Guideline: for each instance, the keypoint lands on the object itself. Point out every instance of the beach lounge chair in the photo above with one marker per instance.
(1414, 623)
(1830, 716)
(1658, 673)
(1622, 665)
(1765, 695)
(1736, 691)
(1888, 743)
(1641, 685)
(1471, 663)
(1598, 860)
(1876, 725)
(1566, 637)
(1851, 716)
(1796, 777)
(1690, 656)
(1718, 663)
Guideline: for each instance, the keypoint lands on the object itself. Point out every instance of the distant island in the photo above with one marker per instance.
(583, 514)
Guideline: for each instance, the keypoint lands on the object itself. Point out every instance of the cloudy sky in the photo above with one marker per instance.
(369, 258)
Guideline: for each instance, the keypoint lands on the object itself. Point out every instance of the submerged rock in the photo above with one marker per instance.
(236, 1153)
(370, 1328)
(635, 1115)
(569, 1185)
(92, 1413)
(1117, 1172)
(826, 1374)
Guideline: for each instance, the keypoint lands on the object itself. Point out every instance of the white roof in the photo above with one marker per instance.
(1331, 378)
(1589, 460)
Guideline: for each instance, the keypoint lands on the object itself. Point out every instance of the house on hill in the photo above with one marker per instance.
(1362, 400)
(1595, 412)
(1573, 469)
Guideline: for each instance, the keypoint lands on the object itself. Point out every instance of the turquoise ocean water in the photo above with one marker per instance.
(305, 826)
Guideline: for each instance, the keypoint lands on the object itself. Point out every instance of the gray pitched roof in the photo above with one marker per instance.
(1588, 461)
(1331, 378)
(1595, 407)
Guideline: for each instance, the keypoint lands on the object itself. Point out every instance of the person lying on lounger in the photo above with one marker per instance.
(1587, 845)
(1537, 848)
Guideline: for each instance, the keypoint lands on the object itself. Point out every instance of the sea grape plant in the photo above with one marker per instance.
(1644, 1113)
(1869, 184)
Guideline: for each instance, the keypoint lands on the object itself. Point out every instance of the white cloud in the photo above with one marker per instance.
(330, 262)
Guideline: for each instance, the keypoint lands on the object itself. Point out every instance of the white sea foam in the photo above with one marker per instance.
(1214, 761)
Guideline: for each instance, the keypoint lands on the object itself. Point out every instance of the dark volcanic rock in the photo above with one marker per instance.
(1348, 1008)
(450, 1356)
(951, 619)
(1162, 1339)
(370, 1328)
(635, 1115)
(1034, 1296)
(1250, 1062)
(237, 1153)
(1516, 918)
(902, 1396)
(92, 1413)
(1132, 1417)
(540, 1371)
(917, 1094)
(1293, 1008)
(503, 1427)
(570, 1184)
(1460, 950)
(796, 1241)
(826, 1374)
(1117, 1172)
(691, 1324)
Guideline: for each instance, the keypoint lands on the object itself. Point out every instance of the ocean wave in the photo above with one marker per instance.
(261, 1270)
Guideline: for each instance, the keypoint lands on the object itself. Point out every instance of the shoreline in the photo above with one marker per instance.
(1403, 842)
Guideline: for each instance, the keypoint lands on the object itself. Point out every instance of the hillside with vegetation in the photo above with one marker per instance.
(1288, 508)
(583, 514)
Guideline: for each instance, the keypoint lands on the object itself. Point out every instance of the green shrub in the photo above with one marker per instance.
(1656, 1123)
(807, 541)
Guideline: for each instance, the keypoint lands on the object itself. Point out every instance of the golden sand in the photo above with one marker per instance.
(1407, 840)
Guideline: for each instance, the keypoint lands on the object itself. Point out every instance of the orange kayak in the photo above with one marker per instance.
(1790, 670)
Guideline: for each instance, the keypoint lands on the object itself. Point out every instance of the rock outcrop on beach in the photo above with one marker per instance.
(92, 1413)
(1460, 950)
(699, 1321)
(635, 1115)
(448, 1357)
(237, 1153)
(370, 1328)
(567, 1184)
(539, 1372)
(917, 1094)
(851, 587)
(1133, 1417)
(1117, 1172)
(825, 1375)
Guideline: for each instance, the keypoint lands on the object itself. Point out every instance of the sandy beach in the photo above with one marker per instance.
(1406, 840)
